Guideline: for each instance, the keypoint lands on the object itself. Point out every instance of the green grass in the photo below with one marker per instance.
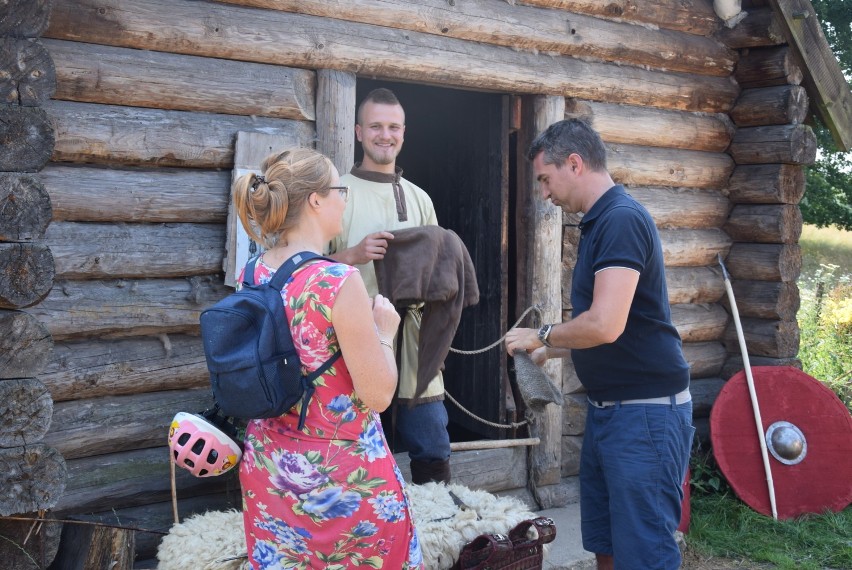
(721, 524)
(724, 526)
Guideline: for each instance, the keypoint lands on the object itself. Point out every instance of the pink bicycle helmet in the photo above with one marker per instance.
(201, 447)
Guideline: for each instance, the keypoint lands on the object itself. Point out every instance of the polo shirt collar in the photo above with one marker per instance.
(602, 205)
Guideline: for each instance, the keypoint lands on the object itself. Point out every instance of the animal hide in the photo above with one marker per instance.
(446, 516)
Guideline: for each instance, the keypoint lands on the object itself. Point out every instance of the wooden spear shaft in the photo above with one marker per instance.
(751, 391)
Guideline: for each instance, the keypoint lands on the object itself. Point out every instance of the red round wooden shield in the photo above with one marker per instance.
(819, 482)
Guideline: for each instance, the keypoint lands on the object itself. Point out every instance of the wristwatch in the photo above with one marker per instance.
(544, 333)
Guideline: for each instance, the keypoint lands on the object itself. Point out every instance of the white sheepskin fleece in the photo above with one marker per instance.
(216, 540)
(445, 528)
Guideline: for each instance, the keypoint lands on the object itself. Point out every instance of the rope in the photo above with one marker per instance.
(499, 340)
(513, 425)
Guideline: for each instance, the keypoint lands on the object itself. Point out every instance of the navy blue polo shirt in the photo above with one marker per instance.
(646, 361)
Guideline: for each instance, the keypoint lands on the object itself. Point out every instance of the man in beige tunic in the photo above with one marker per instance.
(380, 202)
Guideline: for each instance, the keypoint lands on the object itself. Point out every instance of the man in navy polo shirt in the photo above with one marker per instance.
(627, 355)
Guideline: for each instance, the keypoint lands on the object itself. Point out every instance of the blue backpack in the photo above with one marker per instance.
(255, 371)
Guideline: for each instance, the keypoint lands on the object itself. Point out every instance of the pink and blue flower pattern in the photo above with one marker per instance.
(331, 495)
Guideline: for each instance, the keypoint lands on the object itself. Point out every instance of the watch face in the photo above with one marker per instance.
(543, 333)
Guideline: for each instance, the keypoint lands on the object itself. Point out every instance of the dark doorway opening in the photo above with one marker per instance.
(457, 149)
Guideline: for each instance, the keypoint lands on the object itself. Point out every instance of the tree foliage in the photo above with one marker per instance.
(829, 180)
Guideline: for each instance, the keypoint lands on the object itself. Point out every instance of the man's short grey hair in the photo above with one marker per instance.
(567, 137)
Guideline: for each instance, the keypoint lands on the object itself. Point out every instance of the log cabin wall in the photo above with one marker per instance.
(34, 473)
(771, 148)
(140, 132)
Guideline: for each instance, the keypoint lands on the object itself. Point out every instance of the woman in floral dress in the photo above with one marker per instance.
(329, 495)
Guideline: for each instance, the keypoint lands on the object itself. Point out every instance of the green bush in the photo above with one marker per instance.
(825, 321)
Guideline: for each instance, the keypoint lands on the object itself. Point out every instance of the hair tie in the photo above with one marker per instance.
(258, 180)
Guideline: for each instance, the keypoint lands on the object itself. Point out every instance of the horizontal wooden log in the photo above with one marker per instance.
(529, 29)
(79, 193)
(694, 285)
(570, 382)
(734, 363)
(141, 477)
(765, 224)
(704, 392)
(695, 17)
(572, 445)
(694, 208)
(766, 299)
(25, 205)
(24, 18)
(27, 74)
(25, 345)
(787, 144)
(95, 368)
(574, 414)
(767, 184)
(136, 78)
(265, 36)
(25, 412)
(760, 28)
(97, 426)
(685, 252)
(775, 339)
(33, 477)
(765, 261)
(765, 67)
(111, 251)
(490, 470)
(780, 105)
(23, 549)
(700, 323)
(120, 308)
(131, 479)
(159, 518)
(109, 134)
(705, 359)
(645, 126)
(27, 137)
(693, 248)
(648, 166)
(26, 274)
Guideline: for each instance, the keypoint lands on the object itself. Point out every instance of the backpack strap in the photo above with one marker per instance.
(279, 278)
(288, 267)
(308, 385)
(277, 282)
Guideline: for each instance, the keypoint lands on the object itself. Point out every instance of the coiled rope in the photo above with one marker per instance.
(513, 425)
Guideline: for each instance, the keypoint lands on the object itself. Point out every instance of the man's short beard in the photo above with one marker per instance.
(383, 159)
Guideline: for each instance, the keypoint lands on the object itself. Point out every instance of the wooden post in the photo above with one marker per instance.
(544, 268)
(336, 117)
(95, 546)
(250, 151)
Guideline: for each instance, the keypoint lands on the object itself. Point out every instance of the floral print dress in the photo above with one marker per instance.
(331, 495)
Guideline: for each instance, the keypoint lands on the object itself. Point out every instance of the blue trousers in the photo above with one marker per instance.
(423, 430)
(632, 465)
